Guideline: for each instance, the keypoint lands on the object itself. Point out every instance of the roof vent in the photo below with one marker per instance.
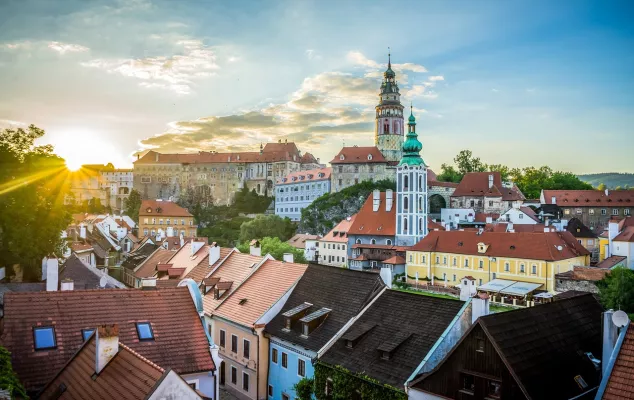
(512, 247)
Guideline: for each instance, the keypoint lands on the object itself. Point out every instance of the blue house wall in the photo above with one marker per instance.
(282, 380)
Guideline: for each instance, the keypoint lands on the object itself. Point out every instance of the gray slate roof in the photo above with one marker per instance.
(83, 276)
(343, 291)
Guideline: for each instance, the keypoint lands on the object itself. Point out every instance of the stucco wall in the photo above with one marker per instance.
(173, 388)
(283, 379)
(204, 382)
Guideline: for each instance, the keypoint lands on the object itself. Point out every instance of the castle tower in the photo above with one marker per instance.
(388, 131)
(411, 190)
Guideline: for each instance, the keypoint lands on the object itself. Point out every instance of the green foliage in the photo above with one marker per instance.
(33, 185)
(345, 384)
(267, 226)
(133, 205)
(304, 389)
(8, 379)
(329, 209)
(246, 201)
(616, 290)
(601, 186)
(610, 180)
(530, 180)
(275, 247)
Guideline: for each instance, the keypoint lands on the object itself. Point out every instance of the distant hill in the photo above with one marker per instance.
(610, 179)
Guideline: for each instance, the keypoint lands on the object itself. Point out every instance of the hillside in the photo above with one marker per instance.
(610, 179)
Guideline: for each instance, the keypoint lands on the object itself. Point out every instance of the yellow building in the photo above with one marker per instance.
(516, 256)
(165, 216)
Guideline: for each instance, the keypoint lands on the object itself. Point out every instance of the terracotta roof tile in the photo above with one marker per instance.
(621, 383)
(261, 290)
(532, 246)
(584, 274)
(78, 246)
(148, 267)
(299, 240)
(441, 184)
(354, 155)
(431, 225)
(308, 158)
(340, 232)
(162, 209)
(477, 184)
(200, 271)
(590, 198)
(312, 175)
(170, 311)
(626, 235)
(395, 260)
(611, 261)
(380, 222)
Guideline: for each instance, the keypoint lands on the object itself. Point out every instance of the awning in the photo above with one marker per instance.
(545, 295)
(512, 288)
(495, 285)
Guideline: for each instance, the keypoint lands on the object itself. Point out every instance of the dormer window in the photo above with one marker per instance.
(294, 314)
(482, 248)
(341, 157)
(369, 157)
(313, 320)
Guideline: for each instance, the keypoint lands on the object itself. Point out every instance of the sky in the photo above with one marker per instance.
(521, 83)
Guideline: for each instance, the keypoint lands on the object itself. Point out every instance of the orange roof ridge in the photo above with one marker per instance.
(139, 356)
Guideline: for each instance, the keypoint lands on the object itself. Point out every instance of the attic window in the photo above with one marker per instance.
(460, 243)
(313, 320)
(294, 314)
(149, 210)
(341, 157)
(85, 333)
(512, 247)
(44, 338)
(369, 156)
(144, 330)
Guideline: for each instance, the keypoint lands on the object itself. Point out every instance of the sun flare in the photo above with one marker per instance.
(80, 147)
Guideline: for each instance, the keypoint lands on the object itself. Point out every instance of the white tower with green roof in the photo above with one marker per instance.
(388, 130)
(411, 190)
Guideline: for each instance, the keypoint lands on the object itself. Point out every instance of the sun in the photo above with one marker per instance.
(73, 164)
(82, 146)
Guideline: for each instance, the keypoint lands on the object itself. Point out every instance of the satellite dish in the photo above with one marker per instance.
(103, 281)
(620, 318)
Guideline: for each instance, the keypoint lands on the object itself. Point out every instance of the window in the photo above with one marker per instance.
(44, 338)
(328, 388)
(567, 211)
(245, 381)
(468, 383)
(144, 330)
(522, 268)
(591, 211)
(373, 241)
(534, 269)
(466, 263)
(145, 220)
(270, 391)
(246, 348)
(284, 360)
(301, 367)
(192, 385)
(444, 260)
(521, 216)
(481, 264)
(455, 261)
(274, 355)
(234, 344)
(494, 390)
(423, 259)
(615, 211)
(491, 205)
(454, 277)
(285, 396)
(85, 333)
(388, 242)
(480, 345)
(234, 375)
(506, 267)
(626, 211)
(437, 260)
(604, 211)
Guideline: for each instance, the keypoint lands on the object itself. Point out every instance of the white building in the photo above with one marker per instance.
(307, 243)
(118, 184)
(332, 249)
(520, 215)
(298, 190)
(621, 239)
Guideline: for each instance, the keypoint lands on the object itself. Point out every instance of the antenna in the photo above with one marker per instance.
(620, 318)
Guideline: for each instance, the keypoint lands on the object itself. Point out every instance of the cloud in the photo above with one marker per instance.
(333, 104)
(63, 48)
(176, 73)
(312, 54)
(436, 78)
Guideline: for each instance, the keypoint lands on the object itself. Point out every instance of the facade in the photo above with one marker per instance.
(581, 279)
(217, 175)
(532, 257)
(519, 215)
(157, 216)
(298, 190)
(355, 164)
(321, 306)
(110, 185)
(151, 322)
(593, 207)
(585, 236)
(486, 193)
(332, 249)
(306, 243)
(117, 183)
(502, 356)
(389, 127)
(621, 239)
(411, 190)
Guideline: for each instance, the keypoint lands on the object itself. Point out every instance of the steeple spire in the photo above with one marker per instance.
(412, 146)
(389, 58)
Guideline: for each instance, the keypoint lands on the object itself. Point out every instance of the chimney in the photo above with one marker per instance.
(490, 181)
(52, 274)
(376, 200)
(82, 231)
(389, 199)
(509, 227)
(148, 283)
(607, 192)
(106, 345)
(255, 249)
(479, 306)
(156, 157)
(195, 246)
(288, 257)
(386, 276)
(609, 338)
(467, 288)
(214, 253)
(182, 240)
(67, 284)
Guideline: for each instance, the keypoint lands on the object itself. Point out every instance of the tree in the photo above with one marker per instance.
(601, 186)
(275, 247)
(304, 389)
(32, 212)
(248, 201)
(267, 225)
(449, 174)
(466, 162)
(8, 379)
(133, 205)
(616, 290)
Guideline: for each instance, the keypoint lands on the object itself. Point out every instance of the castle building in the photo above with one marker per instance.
(298, 190)
(388, 130)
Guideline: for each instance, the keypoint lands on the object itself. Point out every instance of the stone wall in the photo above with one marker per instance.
(564, 285)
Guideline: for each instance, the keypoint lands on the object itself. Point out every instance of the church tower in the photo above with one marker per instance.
(411, 190)
(388, 131)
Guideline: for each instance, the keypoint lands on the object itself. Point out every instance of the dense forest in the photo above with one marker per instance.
(612, 180)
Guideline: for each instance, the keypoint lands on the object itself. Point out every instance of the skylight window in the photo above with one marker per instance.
(144, 330)
(44, 338)
(85, 333)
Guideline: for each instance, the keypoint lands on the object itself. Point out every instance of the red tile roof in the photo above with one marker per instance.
(127, 376)
(308, 158)
(530, 213)
(442, 184)
(340, 232)
(621, 382)
(149, 267)
(431, 225)
(482, 217)
(590, 198)
(299, 240)
(611, 261)
(395, 260)
(532, 246)
(477, 184)
(584, 274)
(170, 312)
(380, 222)
(354, 155)
(312, 175)
(162, 209)
(261, 291)
(78, 246)
(200, 271)
(626, 235)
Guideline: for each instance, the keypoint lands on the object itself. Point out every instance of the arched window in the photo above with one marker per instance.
(405, 203)
(358, 241)
(388, 242)
(420, 203)
(405, 224)
(420, 224)
(386, 127)
(405, 182)
(373, 241)
(420, 182)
